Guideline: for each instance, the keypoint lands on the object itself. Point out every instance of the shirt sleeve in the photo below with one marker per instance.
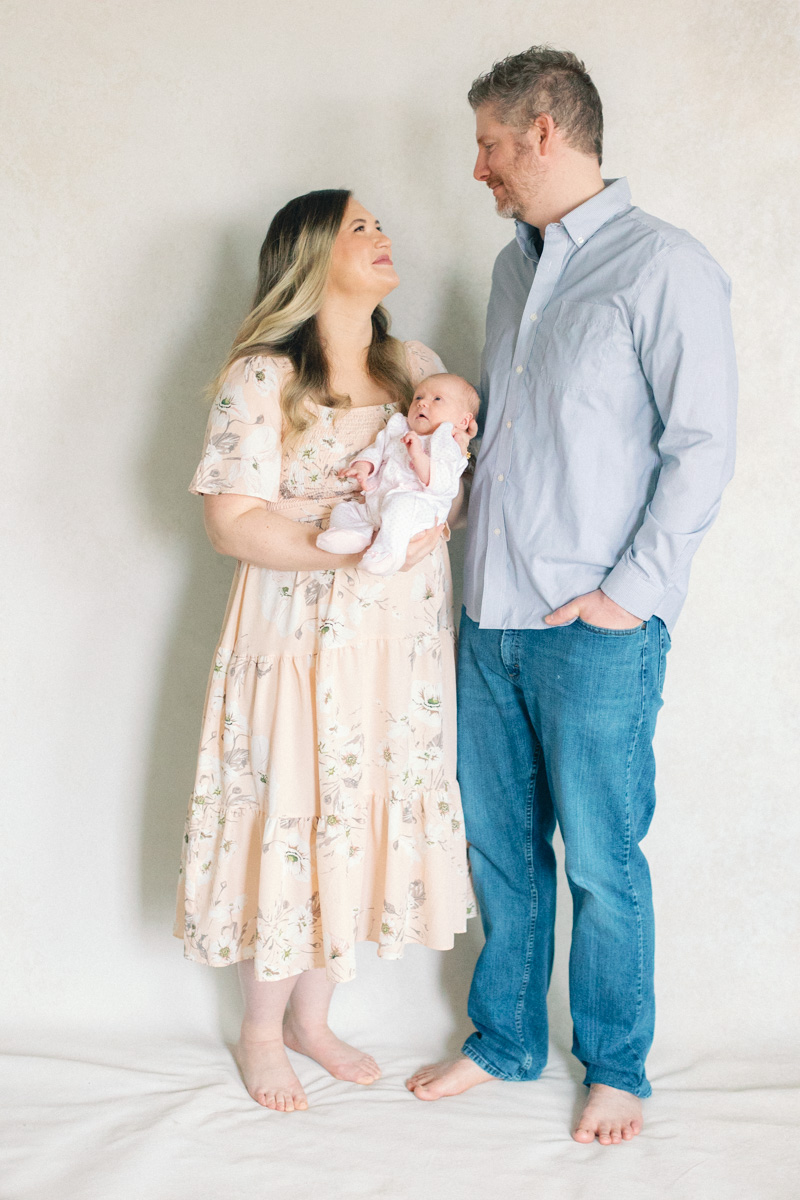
(242, 449)
(683, 336)
(447, 463)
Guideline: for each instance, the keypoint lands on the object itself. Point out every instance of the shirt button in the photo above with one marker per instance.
(508, 424)
(500, 478)
(497, 531)
(519, 370)
(580, 241)
(534, 316)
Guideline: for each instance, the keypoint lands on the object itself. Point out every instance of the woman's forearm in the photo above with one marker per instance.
(267, 539)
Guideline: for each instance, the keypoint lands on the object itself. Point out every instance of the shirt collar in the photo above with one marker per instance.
(584, 220)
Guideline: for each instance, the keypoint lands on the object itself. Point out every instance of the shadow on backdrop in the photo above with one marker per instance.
(170, 462)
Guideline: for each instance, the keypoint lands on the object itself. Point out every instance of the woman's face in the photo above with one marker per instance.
(361, 264)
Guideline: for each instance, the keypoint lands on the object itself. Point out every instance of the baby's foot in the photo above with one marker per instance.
(339, 1059)
(342, 541)
(268, 1075)
(378, 562)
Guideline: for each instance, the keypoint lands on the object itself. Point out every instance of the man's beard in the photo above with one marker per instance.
(509, 208)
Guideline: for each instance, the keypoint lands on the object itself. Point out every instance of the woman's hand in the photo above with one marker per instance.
(464, 436)
(360, 470)
(421, 545)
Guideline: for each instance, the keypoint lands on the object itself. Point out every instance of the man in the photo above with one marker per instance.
(609, 389)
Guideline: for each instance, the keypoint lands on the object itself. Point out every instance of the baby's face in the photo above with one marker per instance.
(438, 399)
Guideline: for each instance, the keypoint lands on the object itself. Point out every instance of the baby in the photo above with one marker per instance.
(409, 476)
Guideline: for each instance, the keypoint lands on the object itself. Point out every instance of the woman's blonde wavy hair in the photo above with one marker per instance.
(293, 269)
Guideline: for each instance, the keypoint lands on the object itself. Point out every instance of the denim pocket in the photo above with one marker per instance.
(609, 632)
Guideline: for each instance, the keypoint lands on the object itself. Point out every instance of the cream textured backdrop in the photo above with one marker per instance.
(147, 146)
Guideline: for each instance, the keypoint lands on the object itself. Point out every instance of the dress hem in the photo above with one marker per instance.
(389, 953)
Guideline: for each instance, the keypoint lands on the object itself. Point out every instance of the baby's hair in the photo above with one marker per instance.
(470, 397)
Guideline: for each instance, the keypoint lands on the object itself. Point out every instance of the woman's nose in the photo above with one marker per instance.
(383, 240)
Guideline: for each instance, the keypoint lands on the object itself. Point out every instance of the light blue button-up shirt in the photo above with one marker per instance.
(608, 391)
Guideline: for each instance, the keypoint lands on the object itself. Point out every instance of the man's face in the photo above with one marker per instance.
(506, 163)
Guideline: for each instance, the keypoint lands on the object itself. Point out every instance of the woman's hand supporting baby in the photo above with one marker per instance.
(360, 470)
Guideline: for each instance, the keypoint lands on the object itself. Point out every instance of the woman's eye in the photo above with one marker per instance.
(360, 227)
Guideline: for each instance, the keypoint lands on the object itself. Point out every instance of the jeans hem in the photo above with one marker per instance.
(642, 1090)
(468, 1052)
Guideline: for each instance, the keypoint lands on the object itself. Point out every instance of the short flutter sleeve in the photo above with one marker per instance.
(422, 362)
(242, 449)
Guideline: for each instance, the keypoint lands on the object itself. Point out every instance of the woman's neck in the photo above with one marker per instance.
(345, 329)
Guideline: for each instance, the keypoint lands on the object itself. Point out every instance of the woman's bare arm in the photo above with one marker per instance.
(241, 527)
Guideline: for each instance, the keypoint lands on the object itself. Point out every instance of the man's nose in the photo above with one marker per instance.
(481, 172)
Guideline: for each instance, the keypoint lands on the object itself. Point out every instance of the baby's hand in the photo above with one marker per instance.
(412, 443)
(360, 471)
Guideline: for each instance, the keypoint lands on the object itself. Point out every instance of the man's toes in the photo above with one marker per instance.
(616, 1137)
(583, 1134)
(636, 1126)
(627, 1133)
(604, 1135)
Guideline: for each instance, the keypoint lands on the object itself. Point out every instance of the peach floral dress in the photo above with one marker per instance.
(325, 808)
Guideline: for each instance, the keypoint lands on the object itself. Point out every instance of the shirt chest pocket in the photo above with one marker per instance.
(577, 349)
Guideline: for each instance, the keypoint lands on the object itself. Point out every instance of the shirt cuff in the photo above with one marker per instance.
(628, 589)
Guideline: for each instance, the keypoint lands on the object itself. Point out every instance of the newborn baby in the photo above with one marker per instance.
(409, 476)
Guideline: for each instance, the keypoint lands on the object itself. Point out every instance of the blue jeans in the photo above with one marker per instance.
(557, 725)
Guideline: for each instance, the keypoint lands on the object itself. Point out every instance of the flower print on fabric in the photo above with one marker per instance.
(325, 808)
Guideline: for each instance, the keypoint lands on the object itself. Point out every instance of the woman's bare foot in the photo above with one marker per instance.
(268, 1075)
(611, 1115)
(338, 1059)
(448, 1078)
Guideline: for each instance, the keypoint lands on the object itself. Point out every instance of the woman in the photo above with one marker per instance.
(325, 809)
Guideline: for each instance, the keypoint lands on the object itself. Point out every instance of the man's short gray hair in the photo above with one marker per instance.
(543, 80)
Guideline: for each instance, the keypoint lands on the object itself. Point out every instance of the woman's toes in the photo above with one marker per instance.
(300, 1102)
(270, 1101)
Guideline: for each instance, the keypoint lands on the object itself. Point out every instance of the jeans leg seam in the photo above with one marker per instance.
(534, 904)
(631, 888)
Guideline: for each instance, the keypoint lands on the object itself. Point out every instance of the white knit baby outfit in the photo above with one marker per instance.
(396, 503)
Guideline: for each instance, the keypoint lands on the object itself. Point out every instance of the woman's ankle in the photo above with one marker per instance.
(252, 1031)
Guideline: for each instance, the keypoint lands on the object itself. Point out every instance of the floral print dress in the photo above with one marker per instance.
(325, 808)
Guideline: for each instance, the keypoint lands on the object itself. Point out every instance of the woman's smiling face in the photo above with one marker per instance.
(361, 262)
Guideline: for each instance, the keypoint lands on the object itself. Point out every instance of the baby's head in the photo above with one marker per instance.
(442, 398)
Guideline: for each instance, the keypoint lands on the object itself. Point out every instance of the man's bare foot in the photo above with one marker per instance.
(448, 1078)
(339, 1059)
(610, 1115)
(268, 1075)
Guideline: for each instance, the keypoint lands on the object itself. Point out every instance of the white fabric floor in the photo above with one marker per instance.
(166, 1120)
